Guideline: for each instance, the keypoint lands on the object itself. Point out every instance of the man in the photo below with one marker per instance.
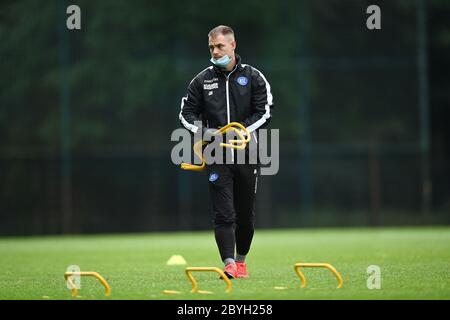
(229, 91)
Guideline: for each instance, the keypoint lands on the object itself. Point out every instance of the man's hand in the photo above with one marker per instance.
(244, 134)
(209, 133)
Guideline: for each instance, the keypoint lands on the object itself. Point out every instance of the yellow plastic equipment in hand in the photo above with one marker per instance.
(240, 143)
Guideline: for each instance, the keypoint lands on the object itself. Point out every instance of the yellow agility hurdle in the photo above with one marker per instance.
(207, 269)
(68, 276)
(194, 283)
(240, 143)
(328, 266)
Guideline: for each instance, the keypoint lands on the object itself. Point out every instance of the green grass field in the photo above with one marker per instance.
(414, 264)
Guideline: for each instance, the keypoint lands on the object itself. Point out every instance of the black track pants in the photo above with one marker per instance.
(233, 192)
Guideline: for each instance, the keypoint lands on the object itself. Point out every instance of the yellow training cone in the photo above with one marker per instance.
(176, 260)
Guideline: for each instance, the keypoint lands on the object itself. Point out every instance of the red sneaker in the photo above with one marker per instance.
(231, 271)
(241, 270)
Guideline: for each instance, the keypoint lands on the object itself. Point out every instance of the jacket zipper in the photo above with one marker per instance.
(228, 101)
(228, 104)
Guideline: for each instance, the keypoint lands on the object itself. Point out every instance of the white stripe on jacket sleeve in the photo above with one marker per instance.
(185, 123)
(269, 103)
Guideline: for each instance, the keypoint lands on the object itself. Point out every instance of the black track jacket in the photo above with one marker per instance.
(216, 98)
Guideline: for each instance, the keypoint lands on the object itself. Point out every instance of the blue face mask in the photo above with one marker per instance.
(222, 62)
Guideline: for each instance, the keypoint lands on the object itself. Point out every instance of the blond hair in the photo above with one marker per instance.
(223, 30)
